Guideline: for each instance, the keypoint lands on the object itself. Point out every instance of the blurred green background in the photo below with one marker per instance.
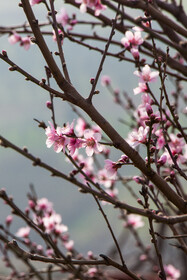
(21, 102)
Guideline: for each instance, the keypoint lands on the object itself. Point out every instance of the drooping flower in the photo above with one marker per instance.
(146, 75)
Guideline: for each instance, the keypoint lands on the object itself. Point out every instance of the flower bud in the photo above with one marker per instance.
(149, 109)
(49, 105)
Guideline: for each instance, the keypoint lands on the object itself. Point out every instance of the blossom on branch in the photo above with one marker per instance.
(33, 2)
(146, 75)
(132, 40)
(14, 38)
(80, 127)
(105, 80)
(111, 168)
(96, 4)
(134, 221)
(62, 17)
(138, 136)
(60, 35)
(171, 272)
(57, 138)
(25, 42)
(91, 140)
(23, 232)
(142, 87)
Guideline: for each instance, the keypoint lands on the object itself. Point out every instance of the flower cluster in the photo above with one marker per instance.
(48, 220)
(63, 137)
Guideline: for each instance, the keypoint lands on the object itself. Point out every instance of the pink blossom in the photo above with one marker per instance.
(69, 245)
(134, 221)
(74, 143)
(178, 148)
(91, 140)
(149, 109)
(96, 4)
(14, 38)
(33, 2)
(137, 137)
(143, 257)
(23, 232)
(45, 205)
(160, 140)
(25, 42)
(111, 168)
(146, 75)
(50, 252)
(105, 80)
(141, 88)
(49, 105)
(90, 255)
(176, 144)
(132, 40)
(103, 178)
(57, 138)
(146, 99)
(162, 160)
(96, 128)
(171, 272)
(9, 219)
(61, 35)
(80, 127)
(135, 53)
(87, 162)
(52, 223)
(138, 179)
(92, 272)
(62, 17)
(111, 192)
(60, 228)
